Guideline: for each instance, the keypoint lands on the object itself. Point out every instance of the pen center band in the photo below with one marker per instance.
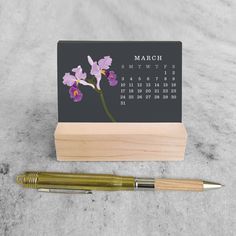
(144, 183)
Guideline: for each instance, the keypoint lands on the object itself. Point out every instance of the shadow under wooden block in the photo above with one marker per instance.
(120, 141)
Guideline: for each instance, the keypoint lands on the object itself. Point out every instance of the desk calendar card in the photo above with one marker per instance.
(119, 81)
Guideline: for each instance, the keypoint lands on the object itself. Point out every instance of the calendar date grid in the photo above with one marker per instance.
(156, 82)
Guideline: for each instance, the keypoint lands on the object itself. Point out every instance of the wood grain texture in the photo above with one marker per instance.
(120, 141)
(179, 184)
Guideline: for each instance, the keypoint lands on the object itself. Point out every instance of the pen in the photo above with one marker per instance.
(86, 183)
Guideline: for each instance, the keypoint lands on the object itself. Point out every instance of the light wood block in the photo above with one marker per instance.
(120, 141)
(179, 185)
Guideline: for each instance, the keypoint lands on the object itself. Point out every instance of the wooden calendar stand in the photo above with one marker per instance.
(120, 141)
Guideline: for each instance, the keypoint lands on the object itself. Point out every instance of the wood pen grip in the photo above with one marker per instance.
(179, 184)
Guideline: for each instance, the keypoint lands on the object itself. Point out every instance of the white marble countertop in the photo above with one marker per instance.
(28, 105)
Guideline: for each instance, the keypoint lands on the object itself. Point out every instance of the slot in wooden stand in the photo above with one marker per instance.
(120, 141)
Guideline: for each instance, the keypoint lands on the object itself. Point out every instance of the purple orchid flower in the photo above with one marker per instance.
(79, 73)
(75, 93)
(74, 80)
(69, 79)
(99, 68)
(111, 76)
(78, 78)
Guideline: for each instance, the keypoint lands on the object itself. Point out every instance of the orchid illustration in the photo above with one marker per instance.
(98, 70)
(101, 68)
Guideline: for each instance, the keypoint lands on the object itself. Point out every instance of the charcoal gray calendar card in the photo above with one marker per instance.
(119, 81)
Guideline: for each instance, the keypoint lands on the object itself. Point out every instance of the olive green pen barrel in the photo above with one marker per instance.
(68, 181)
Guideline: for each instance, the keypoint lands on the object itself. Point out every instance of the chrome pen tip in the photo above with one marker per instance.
(210, 185)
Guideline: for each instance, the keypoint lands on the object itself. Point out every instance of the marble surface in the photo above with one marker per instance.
(28, 106)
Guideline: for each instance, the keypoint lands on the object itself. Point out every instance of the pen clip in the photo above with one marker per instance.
(54, 190)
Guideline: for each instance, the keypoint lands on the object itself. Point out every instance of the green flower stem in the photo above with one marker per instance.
(105, 107)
